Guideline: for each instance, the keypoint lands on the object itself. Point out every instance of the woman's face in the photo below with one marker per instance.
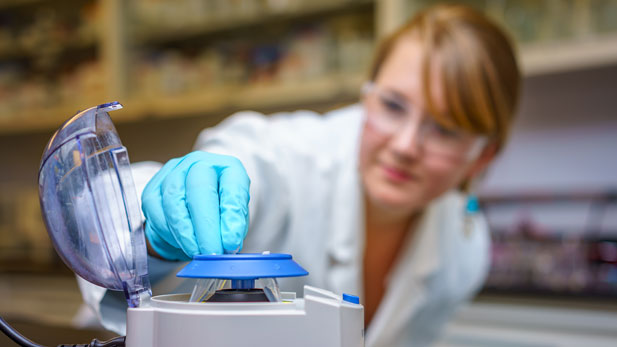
(403, 164)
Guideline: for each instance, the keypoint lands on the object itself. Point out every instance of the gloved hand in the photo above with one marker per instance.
(197, 204)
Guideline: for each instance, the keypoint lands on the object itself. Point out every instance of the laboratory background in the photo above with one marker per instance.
(180, 66)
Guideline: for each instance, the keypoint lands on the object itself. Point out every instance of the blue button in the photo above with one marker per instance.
(351, 298)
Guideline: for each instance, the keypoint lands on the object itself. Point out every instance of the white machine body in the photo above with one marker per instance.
(321, 319)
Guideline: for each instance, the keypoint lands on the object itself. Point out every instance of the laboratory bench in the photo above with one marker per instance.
(48, 309)
(528, 321)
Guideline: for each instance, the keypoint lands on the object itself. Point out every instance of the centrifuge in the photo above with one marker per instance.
(93, 217)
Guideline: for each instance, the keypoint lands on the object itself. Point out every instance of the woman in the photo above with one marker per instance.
(369, 198)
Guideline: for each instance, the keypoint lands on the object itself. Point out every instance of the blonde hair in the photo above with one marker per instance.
(477, 65)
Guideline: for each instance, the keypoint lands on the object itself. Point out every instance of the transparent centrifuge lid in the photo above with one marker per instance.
(90, 205)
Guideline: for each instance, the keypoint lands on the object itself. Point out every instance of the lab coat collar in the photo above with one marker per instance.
(423, 249)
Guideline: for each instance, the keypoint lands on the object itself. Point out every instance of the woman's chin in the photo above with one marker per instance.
(397, 198)
(394, 200)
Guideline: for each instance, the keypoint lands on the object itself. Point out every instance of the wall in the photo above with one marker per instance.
(565, 136)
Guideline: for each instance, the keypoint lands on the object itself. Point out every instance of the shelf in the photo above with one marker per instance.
(230, 99)
(163, 34)
(608, 195)
(20, 4)
(220, 100)
(546, 58)
(7, 4)
(70, 47)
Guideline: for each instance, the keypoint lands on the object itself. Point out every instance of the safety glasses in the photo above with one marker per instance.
(390, 113)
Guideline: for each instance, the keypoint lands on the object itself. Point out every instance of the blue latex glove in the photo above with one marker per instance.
(197, 204)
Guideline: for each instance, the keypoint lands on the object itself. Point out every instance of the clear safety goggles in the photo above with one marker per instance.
(390, 114)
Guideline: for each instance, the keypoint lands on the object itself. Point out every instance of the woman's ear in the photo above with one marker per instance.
(479, 165)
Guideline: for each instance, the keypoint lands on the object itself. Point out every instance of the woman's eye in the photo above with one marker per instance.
(446, 132)
(393, 106)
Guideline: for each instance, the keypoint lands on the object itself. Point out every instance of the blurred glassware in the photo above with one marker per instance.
(536, 253)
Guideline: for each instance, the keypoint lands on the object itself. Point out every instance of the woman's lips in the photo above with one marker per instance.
(396, 175)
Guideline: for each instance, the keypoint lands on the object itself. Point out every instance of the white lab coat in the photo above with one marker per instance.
(306, 200)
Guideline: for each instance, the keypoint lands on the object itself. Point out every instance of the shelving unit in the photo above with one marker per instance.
(204, 102)
(122, 35)
(553, 244)
(41, 41)
(155, 34)
(120, 40)
(72, 46)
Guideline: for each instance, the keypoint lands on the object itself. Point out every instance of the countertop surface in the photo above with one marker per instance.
(48, 308)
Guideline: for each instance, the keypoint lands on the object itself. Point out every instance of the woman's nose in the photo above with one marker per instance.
(407, 141)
